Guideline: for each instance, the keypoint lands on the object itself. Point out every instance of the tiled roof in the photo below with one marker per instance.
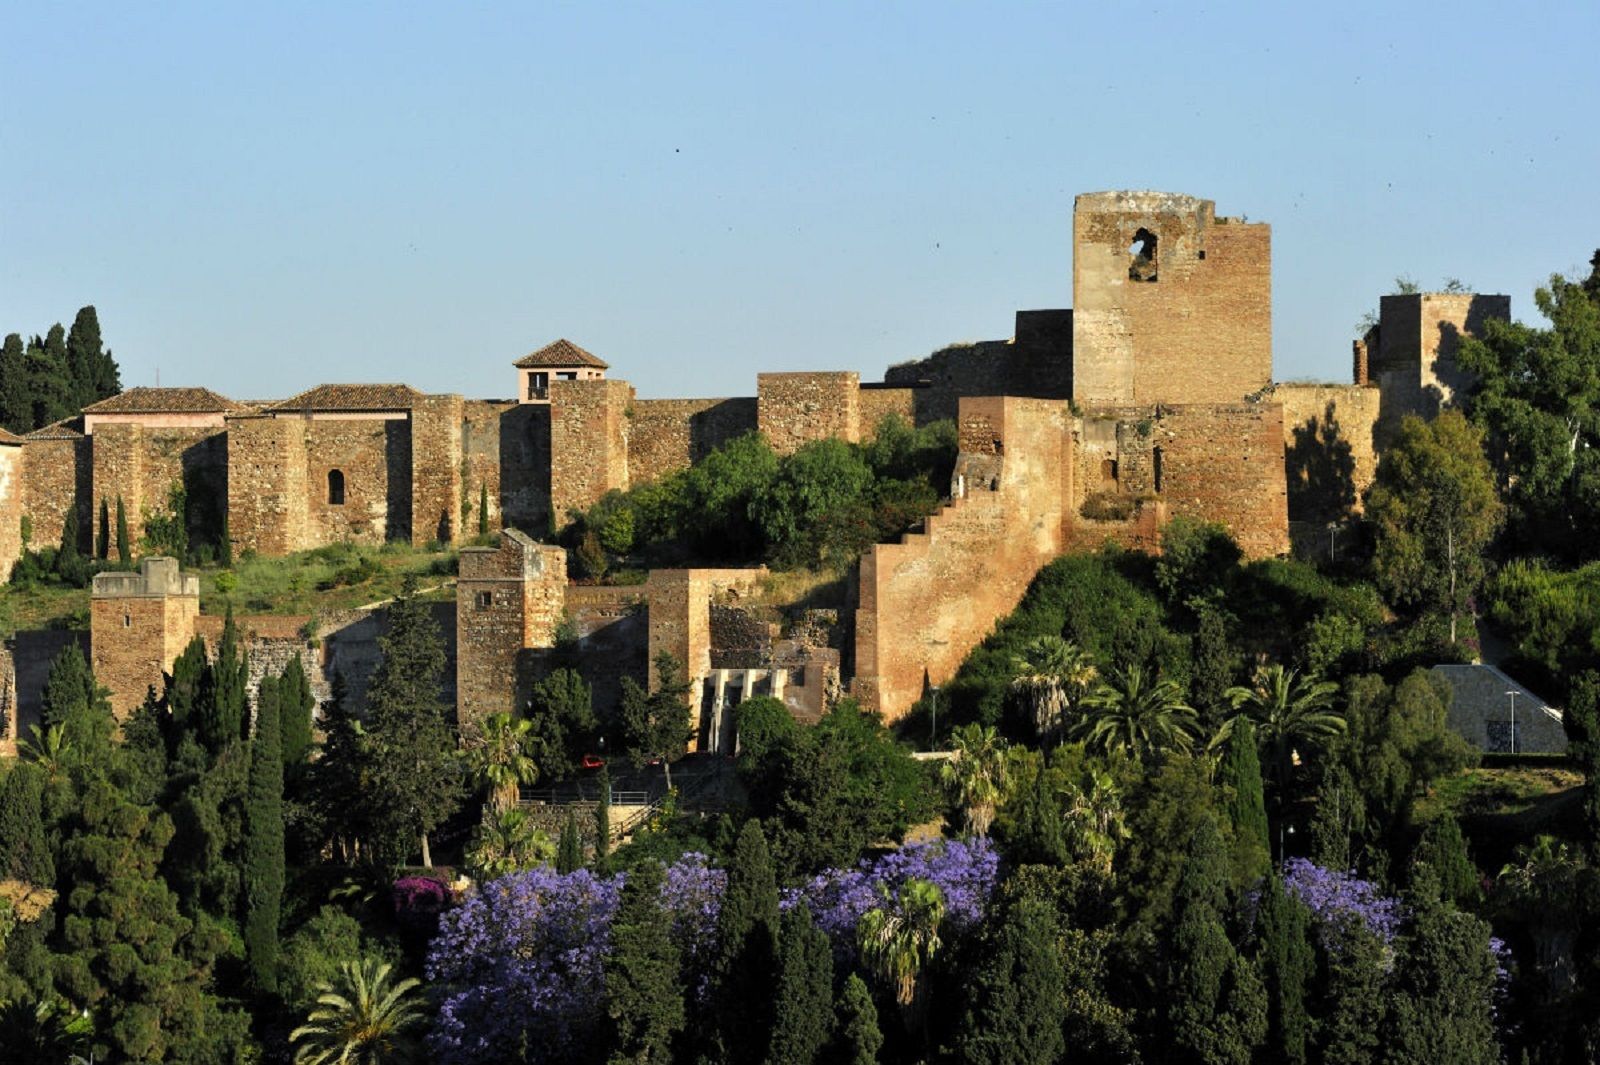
(561, 353)
(7, 437)
(143, 400)
(62, 430)
(352, 397)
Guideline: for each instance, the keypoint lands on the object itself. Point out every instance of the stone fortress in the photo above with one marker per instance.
(1151, 397)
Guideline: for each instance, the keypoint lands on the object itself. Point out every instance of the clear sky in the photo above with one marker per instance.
(260, 198)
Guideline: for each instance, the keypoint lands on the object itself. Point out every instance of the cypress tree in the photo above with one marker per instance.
(102, 543)
(1214, 1002)
(483, 508)
(1018, 998)
(643, 988)
(1443, 849)
(229, 716)
(602, 818)
(124, 548)
(569, 852)
(67, 558)
(1443, 990)
(1356, 995)
(747, 940)
(92, 370)
(1287, 965)
(188, 691)
(859, 1037)
(26, 855)
(16, 398)
(297, 706)
(1034, 831)
(263, 841)
(803, 1005)
(1245, 801)
(49, 378)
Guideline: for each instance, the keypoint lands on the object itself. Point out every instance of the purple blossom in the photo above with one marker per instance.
(418, 902)
(1332, 895)
(965, 871)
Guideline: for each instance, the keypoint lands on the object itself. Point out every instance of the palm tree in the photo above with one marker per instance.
(499, 761)
(977, 774)
(1052, 675)
(506, 841)
(899, 939)
(48, 749)
(1290, 712)
(360, 1019)
(1139, 715)
(1095, 822)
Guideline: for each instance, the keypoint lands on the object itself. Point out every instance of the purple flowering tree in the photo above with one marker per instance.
(964, 871)
(1332, 896)
(521, 962)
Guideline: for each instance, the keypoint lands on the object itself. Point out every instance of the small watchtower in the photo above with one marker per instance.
(139, 623)
(561, 361)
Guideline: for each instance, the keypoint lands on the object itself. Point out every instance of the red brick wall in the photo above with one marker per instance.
(1200, 333)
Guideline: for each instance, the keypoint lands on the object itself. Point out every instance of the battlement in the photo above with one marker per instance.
(157, 577)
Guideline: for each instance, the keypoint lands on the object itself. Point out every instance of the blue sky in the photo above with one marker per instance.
(260, 199)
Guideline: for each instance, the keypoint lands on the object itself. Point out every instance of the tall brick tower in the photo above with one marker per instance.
(139, 623)
(508, 599)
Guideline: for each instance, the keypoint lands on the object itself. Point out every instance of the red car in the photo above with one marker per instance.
(591, 761)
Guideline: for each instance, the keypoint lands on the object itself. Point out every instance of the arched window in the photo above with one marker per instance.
(336, 487)
(1142, 256)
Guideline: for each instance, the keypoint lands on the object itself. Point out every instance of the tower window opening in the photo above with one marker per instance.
(1155, 467)
(336, 487)
(1142, 256)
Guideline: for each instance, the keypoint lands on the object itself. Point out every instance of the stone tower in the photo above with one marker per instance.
(139, 623)
(509, 599)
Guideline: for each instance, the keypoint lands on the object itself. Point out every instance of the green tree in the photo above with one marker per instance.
(69, 563)
(1290, 713)
(1582, 724)
(1443, 850)
(1031, 824)
(1053, 675)
(1287, 965)
(1140, 715)
(656, 725)
(263, 841)
(569, 851)
(900, 938)
(362, 1018)
(16, 397)
(744, 967)
(1434, 508)
(411, 781)
(102, 533)
(1197, 558)
(505, 841)
(976, 776)
(1443, 990)
(1356, 996)
(1214, 1003)
(92, 370)
(227, 714)
(822, 480)
(859, 1038)
(497, 758)
(48, 378)
(803, 1004)
(124, 545)
(1243, 801)
(1018, 995)
(1537, 398)
(298, 705)
(75, 703)
(644, 998)
(561, 710)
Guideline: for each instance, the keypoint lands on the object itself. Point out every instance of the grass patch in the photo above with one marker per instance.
(42, 606)
(336, 577)
(1502, 808)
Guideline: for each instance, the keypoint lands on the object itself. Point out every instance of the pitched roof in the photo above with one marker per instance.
(62, 430)
(562, 353)
(141, 400)
(7, 437)
(351, 397)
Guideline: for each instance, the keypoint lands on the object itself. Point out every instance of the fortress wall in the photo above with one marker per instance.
(1329, 454)
(1418, 337)
(984, 368)
(667, 435)
(875, 404)
(797, 408)
(925, 602)
(435, 473)
(588, 442)
(117, 461)
(1199, 332)
(525, 467)
(1224, 463)
(140, 463)
(374, 455)
(267, 506)
(12, 491)
(57, 475)
(480, 461)
(134, 640)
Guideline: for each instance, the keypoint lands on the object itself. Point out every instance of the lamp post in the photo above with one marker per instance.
(933, 731)
(1333, 531)
(1513, 697)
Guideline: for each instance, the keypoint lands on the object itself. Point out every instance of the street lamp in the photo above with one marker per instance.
(1333, 531)
(1513, 697)
(933, 731)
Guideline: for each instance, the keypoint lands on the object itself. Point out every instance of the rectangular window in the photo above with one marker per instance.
(485, 600)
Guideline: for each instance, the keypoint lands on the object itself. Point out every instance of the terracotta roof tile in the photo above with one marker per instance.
(561, 353)
(351, 397)
(143, 400)
(8, 437)
(65, 429)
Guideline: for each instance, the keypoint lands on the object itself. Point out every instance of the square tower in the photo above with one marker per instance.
(139, 623)
(1171, 304)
